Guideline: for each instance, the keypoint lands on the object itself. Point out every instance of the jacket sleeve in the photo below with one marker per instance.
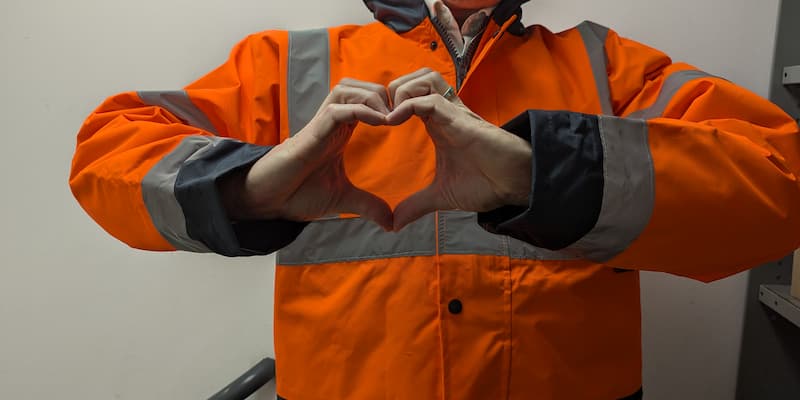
(147, 163)
(693, 176)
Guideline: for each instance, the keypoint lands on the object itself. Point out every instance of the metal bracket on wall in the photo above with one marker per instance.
(778, 298)
(791, 75)
(791, 81)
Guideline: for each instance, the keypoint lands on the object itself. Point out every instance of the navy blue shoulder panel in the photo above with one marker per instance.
(400, 15)
(403, 15)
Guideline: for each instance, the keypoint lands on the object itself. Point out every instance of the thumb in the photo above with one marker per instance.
(367, 205)
(418, 205)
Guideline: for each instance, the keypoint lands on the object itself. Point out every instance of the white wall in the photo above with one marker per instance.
(84, 317)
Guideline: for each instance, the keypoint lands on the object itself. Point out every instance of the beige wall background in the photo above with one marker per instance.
(84, 317)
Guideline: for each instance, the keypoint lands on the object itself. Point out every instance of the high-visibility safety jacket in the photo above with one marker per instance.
(639, 163)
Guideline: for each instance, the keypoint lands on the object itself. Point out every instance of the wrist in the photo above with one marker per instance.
(517, 171)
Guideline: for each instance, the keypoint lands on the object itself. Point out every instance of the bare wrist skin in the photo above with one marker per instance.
(518, 161)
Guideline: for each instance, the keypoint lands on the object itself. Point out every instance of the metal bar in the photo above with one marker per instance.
(791, 75)
(249, 382)
(778, 298)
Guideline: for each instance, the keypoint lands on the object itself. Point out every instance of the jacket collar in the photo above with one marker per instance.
(403, 15)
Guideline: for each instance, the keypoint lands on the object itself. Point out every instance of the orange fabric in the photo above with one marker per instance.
(123, 138)
(725, 163)
(725, 160)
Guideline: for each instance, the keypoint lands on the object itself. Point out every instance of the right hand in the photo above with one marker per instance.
(304, 178)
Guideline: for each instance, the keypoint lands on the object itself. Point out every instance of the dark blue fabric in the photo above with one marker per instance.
(567, 180)
(206, 219)
(639, 395)
(399, 15)
(505, 10)
(403, 15)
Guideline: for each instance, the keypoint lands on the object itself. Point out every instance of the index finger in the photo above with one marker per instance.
(370, 86)
(395, 84)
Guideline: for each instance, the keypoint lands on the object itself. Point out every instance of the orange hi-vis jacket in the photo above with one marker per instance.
(639, 163)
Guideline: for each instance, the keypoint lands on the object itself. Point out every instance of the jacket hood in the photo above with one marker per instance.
(403, 15)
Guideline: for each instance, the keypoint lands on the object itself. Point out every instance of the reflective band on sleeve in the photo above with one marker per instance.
(357, 239)
(628, 190)
(671, 86)
(179, 104)
(308, 76)
(594, 38)
(158, 192)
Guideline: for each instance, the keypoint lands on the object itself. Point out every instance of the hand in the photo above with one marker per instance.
(304, 178)
(479, 166)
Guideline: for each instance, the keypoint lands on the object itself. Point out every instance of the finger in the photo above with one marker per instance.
(413, 89)
(418, 87)
(425, 107)
(344, 94)
(352, 113)
(369, 206)
(371, 86)
(430, 83)
(395, 84)
(418, 205)
(331, 116)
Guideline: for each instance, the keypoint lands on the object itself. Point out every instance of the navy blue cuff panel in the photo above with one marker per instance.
(567, 187)
(206, 219)
(266, 236)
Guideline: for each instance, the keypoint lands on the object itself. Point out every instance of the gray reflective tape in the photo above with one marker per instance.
(180, 105)
(671, 86)
(459, 233)
(594, 38)
(523, 251)
(628, 190)
(308, 76)
(158, 192)
(356, 239)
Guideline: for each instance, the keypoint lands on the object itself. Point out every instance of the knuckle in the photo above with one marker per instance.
(331, 109)
(337, 91)
(374, 87)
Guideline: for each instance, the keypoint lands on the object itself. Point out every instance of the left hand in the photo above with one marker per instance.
(479, 166)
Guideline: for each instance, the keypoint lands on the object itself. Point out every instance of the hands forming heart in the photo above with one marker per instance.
(479, 166)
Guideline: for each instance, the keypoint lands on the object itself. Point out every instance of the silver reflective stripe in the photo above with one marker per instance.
(520, 250)
(594, 38)
(158, 192)
(628, 190)
(671, 86)
(356, 239)
(459, 233)
(179, 104)
(308, 76)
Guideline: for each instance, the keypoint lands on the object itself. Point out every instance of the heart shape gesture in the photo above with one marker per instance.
(479, 166)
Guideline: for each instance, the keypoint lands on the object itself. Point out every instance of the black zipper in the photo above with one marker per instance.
(461, 62)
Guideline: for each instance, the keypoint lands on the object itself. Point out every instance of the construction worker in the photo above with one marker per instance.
(461, 203)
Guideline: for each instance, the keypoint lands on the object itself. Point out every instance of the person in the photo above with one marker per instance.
(461, 204)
